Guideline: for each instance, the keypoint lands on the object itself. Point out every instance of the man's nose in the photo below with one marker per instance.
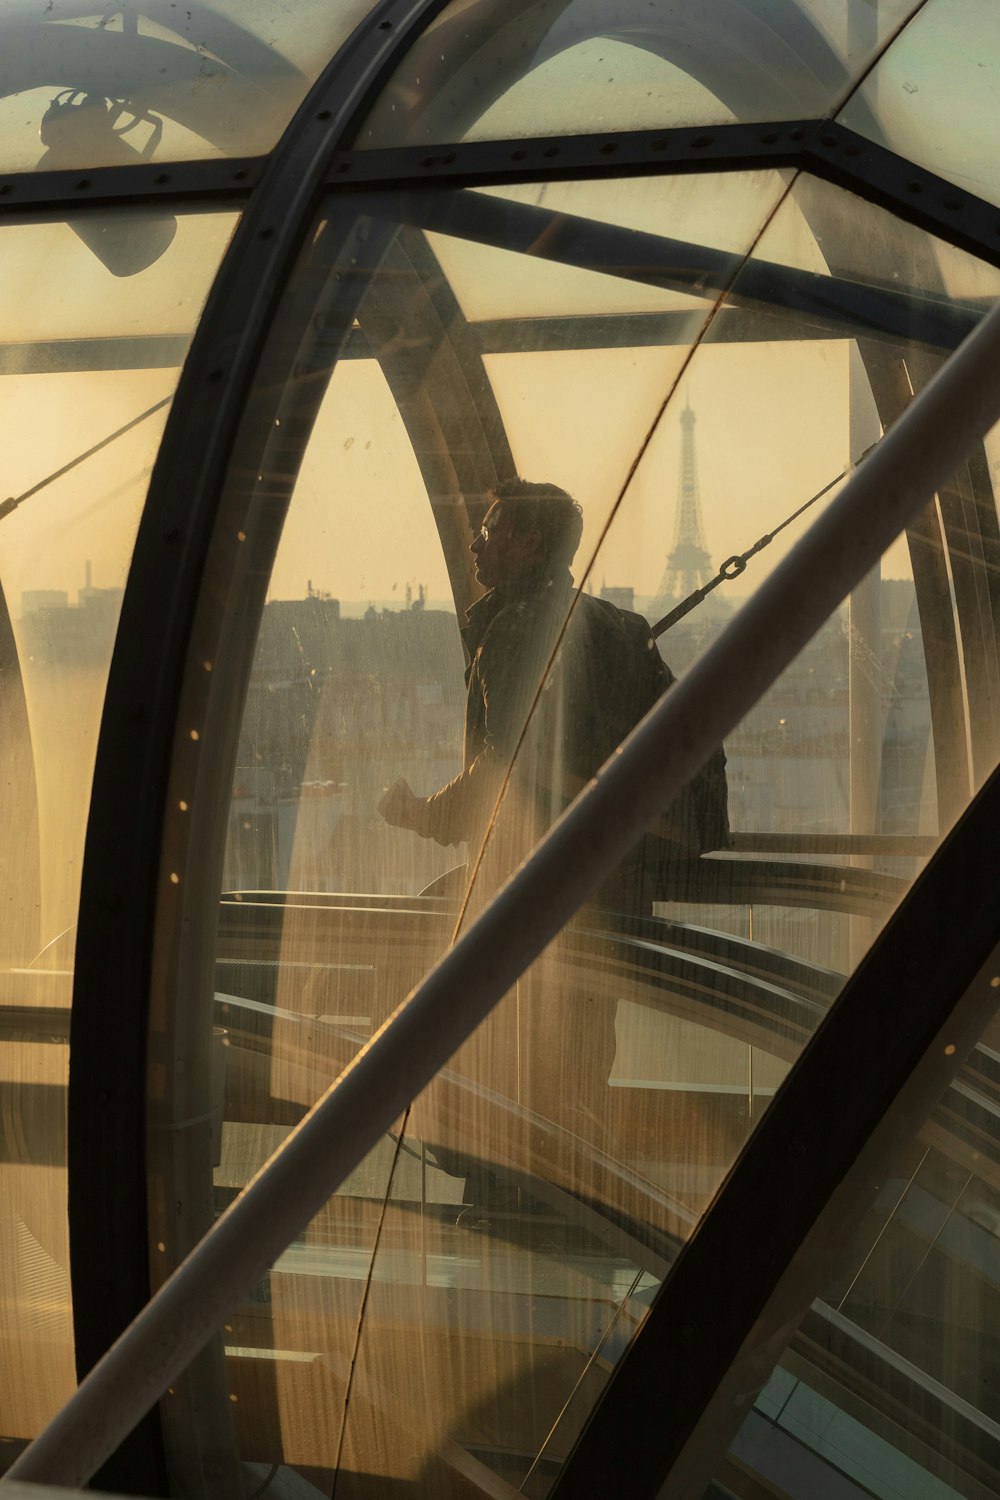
(476, 545)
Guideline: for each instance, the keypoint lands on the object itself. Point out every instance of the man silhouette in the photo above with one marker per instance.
(555, 681)
(553, 686)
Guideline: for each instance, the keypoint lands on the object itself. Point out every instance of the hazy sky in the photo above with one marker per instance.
(773, 424)
(775, 421)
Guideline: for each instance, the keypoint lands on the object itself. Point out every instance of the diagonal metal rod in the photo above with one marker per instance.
(7, 506)
(913, 460)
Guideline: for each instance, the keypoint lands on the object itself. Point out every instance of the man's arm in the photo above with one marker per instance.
(504, 679)
(441, 817)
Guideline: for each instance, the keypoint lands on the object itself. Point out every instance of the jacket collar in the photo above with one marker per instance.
(535, 587)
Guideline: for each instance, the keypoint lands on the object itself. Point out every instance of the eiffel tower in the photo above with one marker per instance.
(688, 565)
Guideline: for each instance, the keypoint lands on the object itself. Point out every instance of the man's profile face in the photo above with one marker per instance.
(500, 552)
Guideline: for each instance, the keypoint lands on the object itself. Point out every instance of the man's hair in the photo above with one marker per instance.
(547, 509)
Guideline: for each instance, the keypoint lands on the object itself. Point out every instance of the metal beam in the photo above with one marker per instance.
(62, 192)
(821, 147)
(732, 325)
(659, 757)
(630, 153)
(150, 351)
(828, 306)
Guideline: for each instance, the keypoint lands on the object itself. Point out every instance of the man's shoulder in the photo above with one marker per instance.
(623, 642)
(625, 622)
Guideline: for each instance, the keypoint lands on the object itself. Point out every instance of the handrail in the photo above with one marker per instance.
(914, 459)
(888, 845)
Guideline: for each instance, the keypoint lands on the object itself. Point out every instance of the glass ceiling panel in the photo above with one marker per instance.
(777, 416)
(489, 69)
(89, 85)
(842, 746)
(933, 97)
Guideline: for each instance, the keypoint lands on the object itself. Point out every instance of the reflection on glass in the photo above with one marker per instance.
(454, 1312)
(358, 681)
(84, 402)
(931, 98)
(491, 72)
(85, 86)
(888, 1386)
(358, 674)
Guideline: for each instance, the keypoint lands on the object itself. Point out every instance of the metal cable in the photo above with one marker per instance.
(7, 507)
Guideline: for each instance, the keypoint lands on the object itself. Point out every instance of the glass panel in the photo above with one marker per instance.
(888, 1387)
(932, 97)
(360, 585)
(453, 1313)
(87, 85)
(604, 1078)
(491, 70)
(87, 368)
(842, 746)
(357, 680)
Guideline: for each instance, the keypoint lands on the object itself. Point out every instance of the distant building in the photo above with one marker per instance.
(622, 596)
(33, 600)
(65, 634)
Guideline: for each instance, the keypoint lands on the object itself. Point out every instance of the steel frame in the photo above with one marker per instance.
(820, 147)
(119, 891)
(107, 1094)
(176, 182)
(840, 308)
(912, 461)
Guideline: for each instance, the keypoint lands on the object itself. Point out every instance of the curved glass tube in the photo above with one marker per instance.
(88, 366)
(358, 679)
(82, 85)
(494, 70)
(587, 1063)
(454, 1312)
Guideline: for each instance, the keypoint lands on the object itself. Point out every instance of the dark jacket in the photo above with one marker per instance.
(594, 675)
(510, 635)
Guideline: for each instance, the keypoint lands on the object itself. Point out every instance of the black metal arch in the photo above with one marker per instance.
(441, 391)
(107, 1096)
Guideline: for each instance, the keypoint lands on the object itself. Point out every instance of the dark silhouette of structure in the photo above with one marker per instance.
(689, 566)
